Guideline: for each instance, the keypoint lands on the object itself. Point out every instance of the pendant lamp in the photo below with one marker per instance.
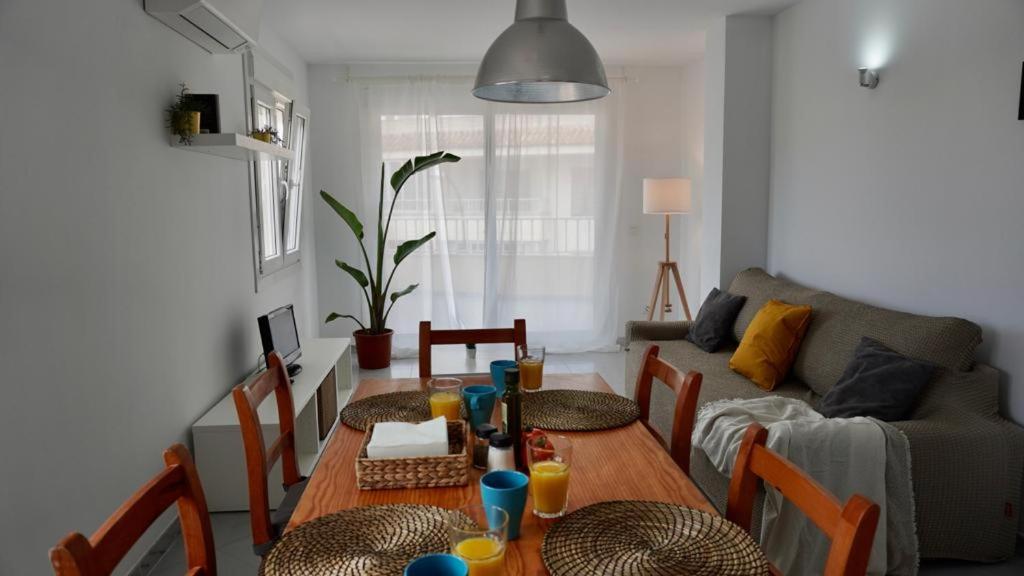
(542, 59)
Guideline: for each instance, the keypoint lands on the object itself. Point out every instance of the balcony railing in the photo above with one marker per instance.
(542, 236)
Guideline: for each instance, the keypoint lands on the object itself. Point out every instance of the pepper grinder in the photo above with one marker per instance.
(512, 409)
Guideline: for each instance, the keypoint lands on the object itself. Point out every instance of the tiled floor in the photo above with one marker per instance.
(231, 530)
(234, 549)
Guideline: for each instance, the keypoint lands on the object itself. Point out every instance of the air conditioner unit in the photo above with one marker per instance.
(219, 26)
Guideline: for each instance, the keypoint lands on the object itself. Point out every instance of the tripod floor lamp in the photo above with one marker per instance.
(667, 196)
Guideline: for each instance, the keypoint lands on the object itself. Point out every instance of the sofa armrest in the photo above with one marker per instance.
(966, 472)
(953, 393)
(647, 330)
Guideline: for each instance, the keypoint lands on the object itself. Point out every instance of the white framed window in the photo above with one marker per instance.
(276, 184)
(296, 174)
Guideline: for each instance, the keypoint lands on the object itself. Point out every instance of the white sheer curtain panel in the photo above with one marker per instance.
(526, 223)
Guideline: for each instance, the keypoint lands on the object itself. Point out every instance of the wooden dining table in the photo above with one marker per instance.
(625, 463)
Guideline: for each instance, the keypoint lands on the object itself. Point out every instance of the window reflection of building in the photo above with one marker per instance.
(549, 212)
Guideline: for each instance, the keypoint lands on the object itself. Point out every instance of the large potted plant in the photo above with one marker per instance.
(373, 342)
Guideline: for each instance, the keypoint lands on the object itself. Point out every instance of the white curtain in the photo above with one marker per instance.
(526, 223)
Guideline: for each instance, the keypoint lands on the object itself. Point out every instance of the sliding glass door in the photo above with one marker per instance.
(518, 220)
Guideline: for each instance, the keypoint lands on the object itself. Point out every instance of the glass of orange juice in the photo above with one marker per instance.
(445, 398)
(479, 535)
(531, 367)
(549, 476)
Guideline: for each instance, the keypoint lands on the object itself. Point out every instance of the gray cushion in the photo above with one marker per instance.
(838, 324)
(713, 327)
(878, 382)
(280, 517)
(286, 508)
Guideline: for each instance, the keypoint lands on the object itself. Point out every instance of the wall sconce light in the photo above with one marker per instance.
(868, 78)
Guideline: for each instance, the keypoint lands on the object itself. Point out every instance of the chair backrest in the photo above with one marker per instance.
(178, 482)
(686, 388)
(259, 460)
(851, 527)
(515, 335)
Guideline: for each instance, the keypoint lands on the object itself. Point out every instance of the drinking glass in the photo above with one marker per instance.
(549, 476)
(479, 535)
(531, 367)
(445, 398)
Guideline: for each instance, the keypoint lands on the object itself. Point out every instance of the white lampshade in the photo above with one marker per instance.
(666, 196)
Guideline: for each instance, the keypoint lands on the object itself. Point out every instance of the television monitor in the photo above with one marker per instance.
(280, 334)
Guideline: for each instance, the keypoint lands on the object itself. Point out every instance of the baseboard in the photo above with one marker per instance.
(156, 552)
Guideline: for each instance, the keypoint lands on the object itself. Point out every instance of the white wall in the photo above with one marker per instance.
(738, 137)
(747, 139)
(693, 158)
(663, 138)
(661, 115)
(714, 160)
(908, 196)
(127, 291)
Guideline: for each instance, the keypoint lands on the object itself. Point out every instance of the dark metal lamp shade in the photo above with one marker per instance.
(541, 58)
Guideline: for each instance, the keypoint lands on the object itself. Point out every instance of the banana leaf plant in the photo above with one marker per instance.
(375, 288)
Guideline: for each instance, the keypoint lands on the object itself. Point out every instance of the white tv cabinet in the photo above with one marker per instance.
(217, 437)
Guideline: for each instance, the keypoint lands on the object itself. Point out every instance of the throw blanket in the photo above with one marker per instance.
(846, 455)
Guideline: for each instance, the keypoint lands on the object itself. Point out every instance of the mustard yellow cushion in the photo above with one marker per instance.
(770, 343)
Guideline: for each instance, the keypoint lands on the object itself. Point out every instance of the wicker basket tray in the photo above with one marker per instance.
(422, 472)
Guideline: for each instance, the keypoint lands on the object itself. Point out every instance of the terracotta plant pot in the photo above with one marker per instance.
(373, 350)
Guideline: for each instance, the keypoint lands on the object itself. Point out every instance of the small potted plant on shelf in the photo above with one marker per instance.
(266, 134)
(373, 342)
(183, 116)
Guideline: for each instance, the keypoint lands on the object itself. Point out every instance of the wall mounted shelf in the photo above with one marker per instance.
(236, 146)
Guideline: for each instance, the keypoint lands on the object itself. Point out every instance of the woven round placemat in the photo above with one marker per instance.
(577, 410)
(390, 407)
(366, 541)
(409, 406)
(649, 538)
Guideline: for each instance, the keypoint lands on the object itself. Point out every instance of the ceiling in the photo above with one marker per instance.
(623, 31)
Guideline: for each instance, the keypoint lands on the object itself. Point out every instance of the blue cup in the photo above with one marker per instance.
(498, 373)
(437, 565)
(479, 401)
(507, 490)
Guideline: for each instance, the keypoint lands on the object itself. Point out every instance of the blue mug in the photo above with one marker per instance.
(437, 565)
(479, 401)
(507, 490)
(498, 373)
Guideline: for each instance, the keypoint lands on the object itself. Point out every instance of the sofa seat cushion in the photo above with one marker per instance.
(719, 382)
(838, 324)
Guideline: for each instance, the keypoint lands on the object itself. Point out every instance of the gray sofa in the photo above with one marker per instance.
(967, 462)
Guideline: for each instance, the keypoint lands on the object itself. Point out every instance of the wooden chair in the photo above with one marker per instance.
(267, 527)
(686, 388)
(851, 527)
(515, 335)
(178, 483)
